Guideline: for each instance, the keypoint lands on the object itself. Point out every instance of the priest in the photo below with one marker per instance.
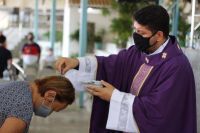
(148, 88)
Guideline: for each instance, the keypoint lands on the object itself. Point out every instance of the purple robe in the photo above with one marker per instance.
(166, 102)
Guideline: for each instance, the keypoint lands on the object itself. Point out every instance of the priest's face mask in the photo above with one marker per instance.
(143, 37)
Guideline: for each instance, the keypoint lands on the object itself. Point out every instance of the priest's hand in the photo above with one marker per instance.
(104, 92)
(64, 64)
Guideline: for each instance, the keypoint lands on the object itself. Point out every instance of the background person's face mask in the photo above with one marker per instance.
(43, 110)
(142, 43)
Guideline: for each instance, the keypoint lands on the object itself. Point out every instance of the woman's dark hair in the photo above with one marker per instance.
(65, 92)
(154, 17)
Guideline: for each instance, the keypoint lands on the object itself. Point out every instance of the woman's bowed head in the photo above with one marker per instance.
(20, 99)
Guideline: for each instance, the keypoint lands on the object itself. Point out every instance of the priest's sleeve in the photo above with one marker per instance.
(120, 117)
(88, 64)
(86, 72)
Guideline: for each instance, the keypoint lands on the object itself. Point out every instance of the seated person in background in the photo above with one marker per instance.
(30, 52)
(49, 60)
(42, 96)
(5, 55)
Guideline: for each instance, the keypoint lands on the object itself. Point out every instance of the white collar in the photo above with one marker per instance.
(160, 49)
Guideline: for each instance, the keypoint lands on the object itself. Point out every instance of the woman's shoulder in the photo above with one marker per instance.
(18, 87)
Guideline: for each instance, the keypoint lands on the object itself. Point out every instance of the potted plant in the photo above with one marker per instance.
(75, 35)
(98, 39)
(90, 39)
(98, 42)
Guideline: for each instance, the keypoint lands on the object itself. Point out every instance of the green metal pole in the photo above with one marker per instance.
(53, 23)
(36, 20)
(83, 39)
(175, 19)
(160, 2)
(192, 23)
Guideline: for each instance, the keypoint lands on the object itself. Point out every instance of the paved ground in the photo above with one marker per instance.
(71, 120)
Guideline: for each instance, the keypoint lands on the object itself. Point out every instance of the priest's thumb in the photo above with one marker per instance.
(104, 83)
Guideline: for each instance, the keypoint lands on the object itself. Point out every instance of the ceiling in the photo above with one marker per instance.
(47, 3)
(92, 2)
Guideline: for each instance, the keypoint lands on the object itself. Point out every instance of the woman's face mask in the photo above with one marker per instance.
(142, 43)
(43, 110)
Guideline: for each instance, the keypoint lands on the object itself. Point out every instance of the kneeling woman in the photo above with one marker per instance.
(18, 101)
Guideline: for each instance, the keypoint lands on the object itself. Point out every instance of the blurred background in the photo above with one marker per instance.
(73, 28)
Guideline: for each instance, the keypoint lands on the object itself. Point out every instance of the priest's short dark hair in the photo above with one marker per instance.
(155, 17)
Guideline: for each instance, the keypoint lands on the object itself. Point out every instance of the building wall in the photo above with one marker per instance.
(30, 4)
(100, 21)
(4, 20)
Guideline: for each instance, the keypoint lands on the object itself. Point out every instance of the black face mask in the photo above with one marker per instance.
(142, 43)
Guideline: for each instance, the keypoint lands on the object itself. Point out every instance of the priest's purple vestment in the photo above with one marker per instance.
(163, 84)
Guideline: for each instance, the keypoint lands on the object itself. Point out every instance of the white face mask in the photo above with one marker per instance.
(43, 110)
